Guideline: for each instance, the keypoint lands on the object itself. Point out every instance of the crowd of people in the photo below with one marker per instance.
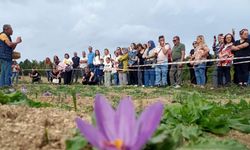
(139, 64)
(158, 64)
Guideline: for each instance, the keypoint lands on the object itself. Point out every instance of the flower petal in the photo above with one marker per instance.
(126, 121)
(91, 133)
(147, 124)
(105, 117)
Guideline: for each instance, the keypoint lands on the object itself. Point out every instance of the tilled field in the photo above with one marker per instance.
(24, 128)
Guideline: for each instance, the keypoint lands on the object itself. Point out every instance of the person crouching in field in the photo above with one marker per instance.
(88, 77)
(107, 72)
(35, 76)
(55, 76)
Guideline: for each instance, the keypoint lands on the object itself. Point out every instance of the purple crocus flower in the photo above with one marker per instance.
(120, 129)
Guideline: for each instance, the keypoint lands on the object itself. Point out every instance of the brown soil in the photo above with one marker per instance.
(25, 128)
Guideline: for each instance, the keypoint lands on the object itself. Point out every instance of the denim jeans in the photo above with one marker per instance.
(200, 74)
(161, 74)
(149, 77)
(116, 78)
(48, 72)
(215, 76)
(15, 75)
(6, 73)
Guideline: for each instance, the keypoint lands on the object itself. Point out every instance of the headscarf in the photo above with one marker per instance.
(152, 46)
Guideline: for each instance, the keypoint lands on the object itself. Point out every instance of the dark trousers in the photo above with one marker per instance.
(168, 75)
(242, 72)
(140, 75)
(224, 72)
(235, 76)
(67, 77)
(192, 76)
(133, 77)
(75, 74)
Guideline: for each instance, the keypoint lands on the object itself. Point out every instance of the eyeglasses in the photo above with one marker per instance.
(174, 40)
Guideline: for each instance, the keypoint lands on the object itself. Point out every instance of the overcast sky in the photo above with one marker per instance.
(53, 27)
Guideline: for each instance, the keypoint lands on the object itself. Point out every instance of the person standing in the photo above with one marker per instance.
(224, 66)
(200, 54)
(91, 56)
(161, 52)
(116, 67)
(83, 62)
(67, 69)
(178, 55)
(76, 67)
(123, 67)
(48, 68)
(98, 65)
(216, 49)
(140, 72)
(107, 72)
(132, 61)
(6, 50)
(191, 67)
(106, 54)
(149, 60)
(241, 48)
(15, 72)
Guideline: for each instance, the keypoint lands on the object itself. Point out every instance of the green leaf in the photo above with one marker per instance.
(214, 144)
(76, 143)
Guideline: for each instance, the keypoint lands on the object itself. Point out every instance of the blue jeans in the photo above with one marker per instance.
(15, 75)
(116, 78)
(161, 74)
(200, 74)
(149, 77)
(6, 73)
(48, 72)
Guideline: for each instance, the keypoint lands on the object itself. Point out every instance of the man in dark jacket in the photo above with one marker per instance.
(6, 50)
(76, 67)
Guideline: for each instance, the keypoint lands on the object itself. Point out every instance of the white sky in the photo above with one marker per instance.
(53, 27)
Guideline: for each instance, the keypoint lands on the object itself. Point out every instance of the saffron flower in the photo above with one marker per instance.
(120, 129)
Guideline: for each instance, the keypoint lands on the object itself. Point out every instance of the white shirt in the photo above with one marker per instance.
(97, 60)
(106, 56)
(108, 67)
(85, 63)
(161, 57)
(116, 64)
